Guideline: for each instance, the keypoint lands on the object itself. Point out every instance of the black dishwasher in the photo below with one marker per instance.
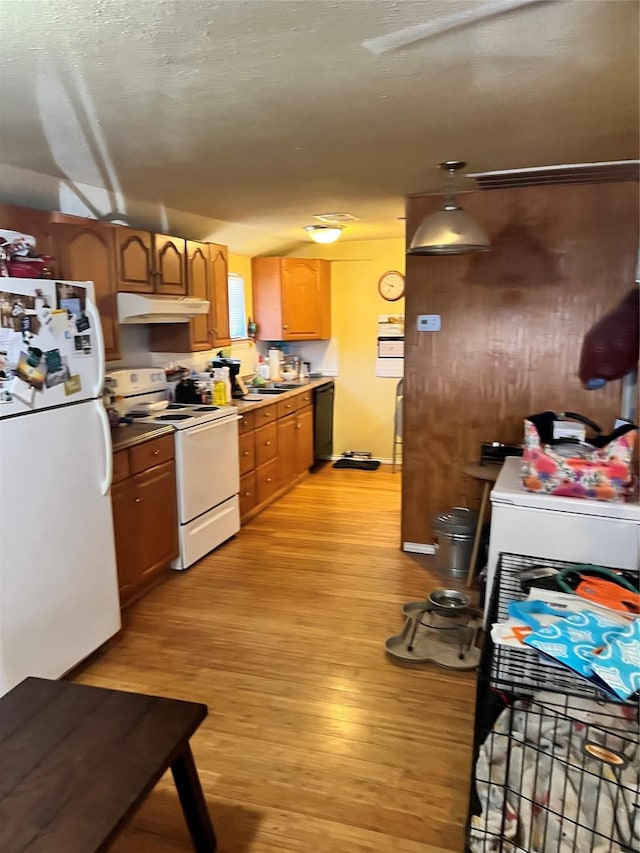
(323, 421)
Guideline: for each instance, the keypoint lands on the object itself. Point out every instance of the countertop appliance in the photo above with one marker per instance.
(234, 365)
(58, 581)
(207, 459)
(568, 529)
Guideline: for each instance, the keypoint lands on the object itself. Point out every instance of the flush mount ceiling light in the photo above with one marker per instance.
(449, 231)
(324, 233)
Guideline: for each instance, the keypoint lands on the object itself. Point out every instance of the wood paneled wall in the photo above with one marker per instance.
(513, 321)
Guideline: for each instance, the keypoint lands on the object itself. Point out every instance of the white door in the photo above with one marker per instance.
(51, 345)
(208, 468)
(58, 582)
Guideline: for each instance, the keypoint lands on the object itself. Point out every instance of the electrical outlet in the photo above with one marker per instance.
(428, 323)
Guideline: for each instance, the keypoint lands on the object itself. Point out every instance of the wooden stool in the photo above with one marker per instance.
(77, 761)
(488, 474)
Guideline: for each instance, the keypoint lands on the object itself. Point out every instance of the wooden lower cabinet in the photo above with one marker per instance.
(143, 501)
(276, 449)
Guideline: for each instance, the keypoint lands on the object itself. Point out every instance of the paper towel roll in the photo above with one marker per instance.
(274, 365)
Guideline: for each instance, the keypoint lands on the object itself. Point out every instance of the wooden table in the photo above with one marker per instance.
(76, 761)
(488, 473)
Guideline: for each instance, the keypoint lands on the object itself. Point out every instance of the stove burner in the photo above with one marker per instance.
(175, 406)
(207, 409)
(175, 417)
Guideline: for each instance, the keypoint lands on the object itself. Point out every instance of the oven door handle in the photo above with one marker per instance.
(230, 419)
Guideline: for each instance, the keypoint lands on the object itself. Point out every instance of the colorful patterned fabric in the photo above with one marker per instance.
(605, 475)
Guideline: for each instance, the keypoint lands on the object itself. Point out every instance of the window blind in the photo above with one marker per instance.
(237, 313)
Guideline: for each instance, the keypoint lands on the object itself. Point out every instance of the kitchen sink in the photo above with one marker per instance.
(287, 386)
(268, 390)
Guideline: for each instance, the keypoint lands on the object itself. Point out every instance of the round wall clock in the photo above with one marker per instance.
(391, 286)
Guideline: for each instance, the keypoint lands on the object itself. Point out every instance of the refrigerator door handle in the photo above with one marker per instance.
(92, 311)
(108, 453)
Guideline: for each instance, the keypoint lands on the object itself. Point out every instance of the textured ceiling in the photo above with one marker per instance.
(266, 112)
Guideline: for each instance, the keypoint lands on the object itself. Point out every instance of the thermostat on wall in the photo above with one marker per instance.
(428, 323)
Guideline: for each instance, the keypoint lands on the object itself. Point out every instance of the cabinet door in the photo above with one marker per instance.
(220, 275)
(199, 280)
(247, 495)
(300, 299)
(267, 480)
(134, 260)
(247, 450)
(266, 443)
(155, 519)
(170, 266)
(126, 539)
(86, 253)
(287, 456)
(304, 440)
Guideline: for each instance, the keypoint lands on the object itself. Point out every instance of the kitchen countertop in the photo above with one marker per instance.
(269, 399)
(127, 436)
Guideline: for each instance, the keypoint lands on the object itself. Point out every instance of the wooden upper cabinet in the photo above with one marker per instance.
(150, 263)
(169, 265)
(219, 260)
(134, 260)
(37, 223)
(292, 298)
(204, 270)
(85, 252)
(199, 279)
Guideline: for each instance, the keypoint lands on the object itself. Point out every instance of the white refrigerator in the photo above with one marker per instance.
(58, 581)
(574, 530)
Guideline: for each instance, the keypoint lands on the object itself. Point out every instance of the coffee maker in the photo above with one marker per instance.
(238, 388)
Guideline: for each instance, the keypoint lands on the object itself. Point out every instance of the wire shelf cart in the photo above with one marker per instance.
(556, 763)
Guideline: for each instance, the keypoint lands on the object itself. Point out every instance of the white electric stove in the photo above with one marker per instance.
(207, 458)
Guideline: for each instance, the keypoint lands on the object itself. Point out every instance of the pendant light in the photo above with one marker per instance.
(324, 233)
(449, 231)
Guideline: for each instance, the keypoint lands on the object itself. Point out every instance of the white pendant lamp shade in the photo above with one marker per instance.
(449, 231)
(324, 233)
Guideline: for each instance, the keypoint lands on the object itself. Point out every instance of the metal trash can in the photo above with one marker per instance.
(454, 531)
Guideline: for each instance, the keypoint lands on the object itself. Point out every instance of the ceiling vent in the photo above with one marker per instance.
(572, 173)
(336, 217)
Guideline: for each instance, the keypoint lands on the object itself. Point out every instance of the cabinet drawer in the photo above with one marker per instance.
(304, 399)
(247, 452)
(287, 407)
(267, 480)
(266, 443)
(247, 494)
(151, 453)
(246, 422)
(120, 466)
(266, 414)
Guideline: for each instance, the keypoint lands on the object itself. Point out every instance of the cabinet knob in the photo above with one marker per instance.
(267, 443)
(247, 494)
(156, 453)
(288, 406)
(285, 326)
(268, 479)
(245, 452)
(138, 500)
(298, 425)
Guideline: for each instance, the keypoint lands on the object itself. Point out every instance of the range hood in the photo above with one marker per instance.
(150, 308)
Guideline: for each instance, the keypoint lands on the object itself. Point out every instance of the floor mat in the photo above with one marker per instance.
(441, 647)
(364, 464)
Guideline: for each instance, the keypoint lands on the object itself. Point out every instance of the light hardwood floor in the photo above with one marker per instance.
(315, 742)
